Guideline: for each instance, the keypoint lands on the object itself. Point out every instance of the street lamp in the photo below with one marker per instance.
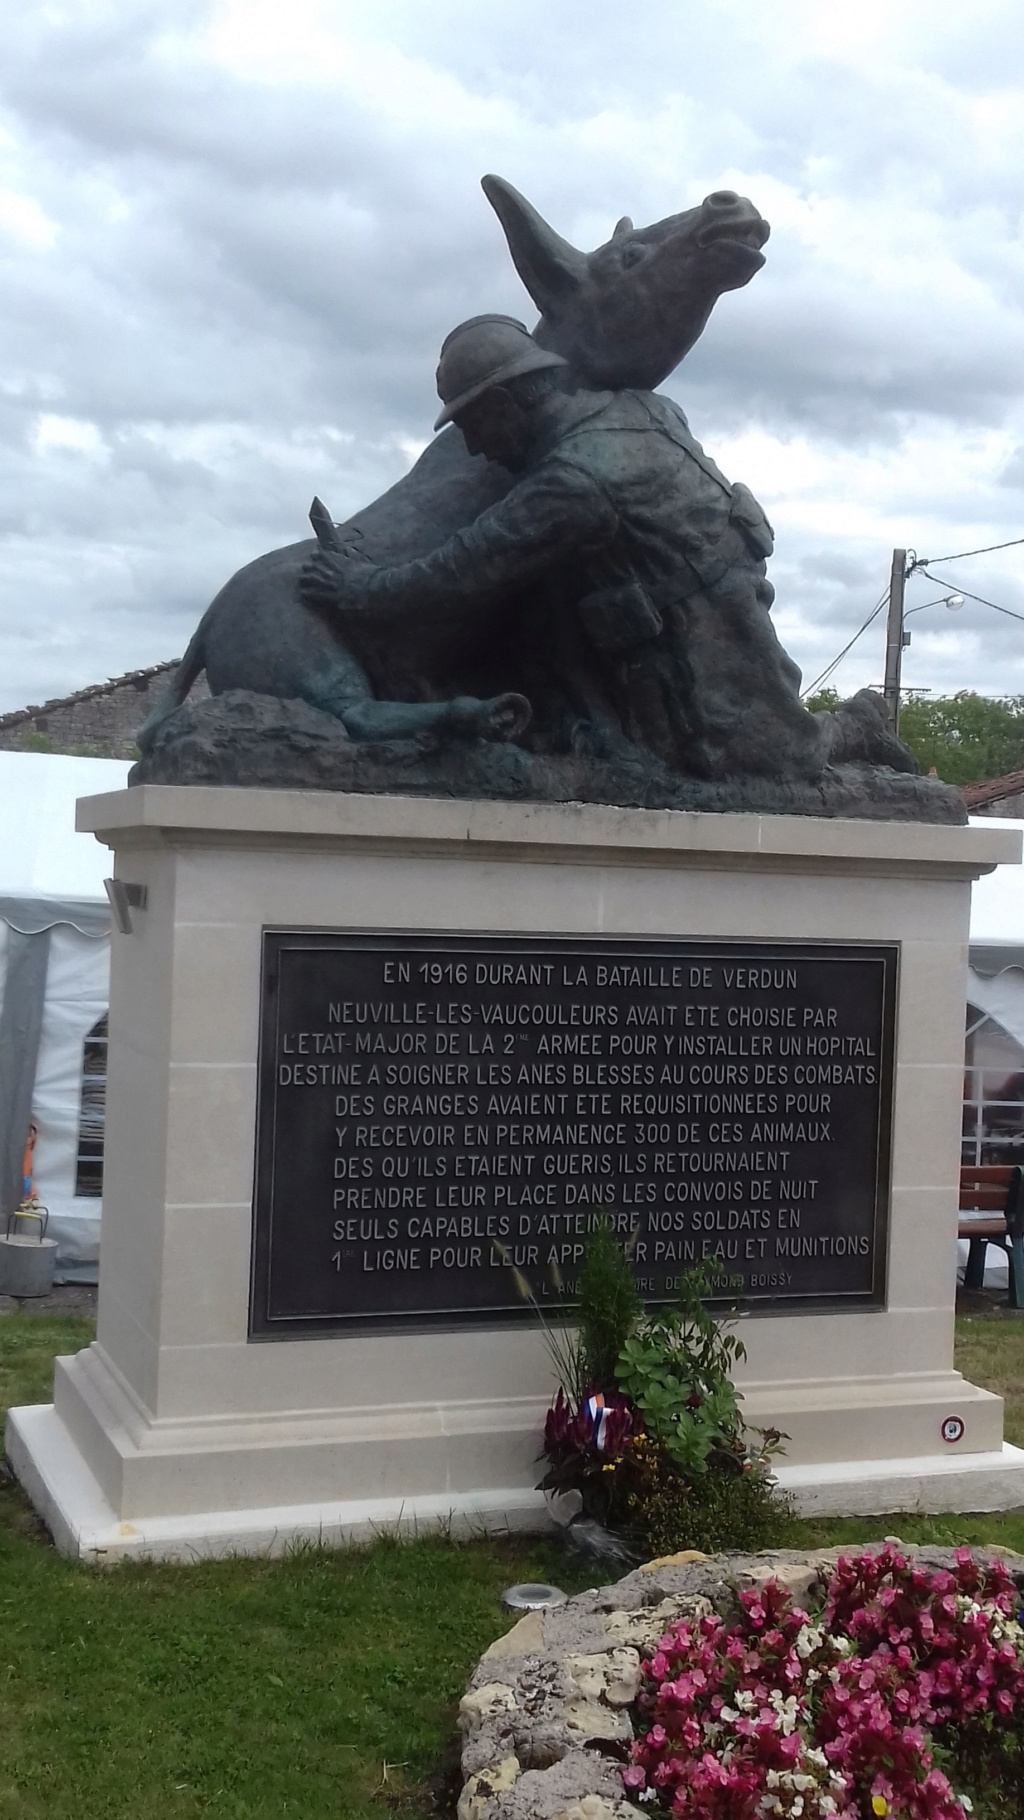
(953, 601)
(897, 638)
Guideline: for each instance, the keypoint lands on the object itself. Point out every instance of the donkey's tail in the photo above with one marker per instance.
(191, 666)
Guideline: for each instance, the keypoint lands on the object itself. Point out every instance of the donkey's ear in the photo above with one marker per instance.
(625, 226)
(549, 267)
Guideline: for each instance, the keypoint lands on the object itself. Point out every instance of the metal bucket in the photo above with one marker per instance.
(26, 1261)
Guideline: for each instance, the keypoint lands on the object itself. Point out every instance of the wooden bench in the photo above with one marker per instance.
(992, 1213)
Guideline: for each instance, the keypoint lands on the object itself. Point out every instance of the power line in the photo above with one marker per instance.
(966, 592)
(920, 562)
(918, 568)
(836, 661)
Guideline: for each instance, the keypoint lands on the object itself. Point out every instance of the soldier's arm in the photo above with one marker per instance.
(553, 514)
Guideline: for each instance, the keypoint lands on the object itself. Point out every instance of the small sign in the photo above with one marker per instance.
(953, 1429)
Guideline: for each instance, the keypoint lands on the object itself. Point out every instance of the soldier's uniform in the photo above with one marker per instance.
(641, 599)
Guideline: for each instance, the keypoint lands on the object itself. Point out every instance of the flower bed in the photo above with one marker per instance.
(868, 1684)
(771, 1710)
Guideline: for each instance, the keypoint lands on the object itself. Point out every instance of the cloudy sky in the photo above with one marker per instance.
(234, 232)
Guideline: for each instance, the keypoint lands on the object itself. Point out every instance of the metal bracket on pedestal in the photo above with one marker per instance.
(124, 898)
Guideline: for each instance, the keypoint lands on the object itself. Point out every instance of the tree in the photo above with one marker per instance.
(966, 737)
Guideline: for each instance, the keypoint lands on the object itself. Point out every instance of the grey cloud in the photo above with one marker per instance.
(1013, 473)
(244, 269)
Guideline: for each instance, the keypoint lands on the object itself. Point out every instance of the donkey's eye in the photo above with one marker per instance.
(631, 255)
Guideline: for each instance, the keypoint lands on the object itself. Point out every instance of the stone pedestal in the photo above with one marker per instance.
(177, 1433)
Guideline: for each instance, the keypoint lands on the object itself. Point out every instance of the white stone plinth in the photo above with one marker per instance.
(176, 1434)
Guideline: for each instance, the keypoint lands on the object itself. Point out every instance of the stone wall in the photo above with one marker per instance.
(97, 722)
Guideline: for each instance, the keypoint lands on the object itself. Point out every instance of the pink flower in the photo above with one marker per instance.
(735, 1705)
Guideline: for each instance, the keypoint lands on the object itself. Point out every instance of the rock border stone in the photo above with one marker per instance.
(546, 1720)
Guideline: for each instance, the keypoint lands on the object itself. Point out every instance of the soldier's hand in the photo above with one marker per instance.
(333, 578)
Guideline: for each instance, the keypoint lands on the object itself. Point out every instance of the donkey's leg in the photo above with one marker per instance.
(343, 690)
(500, 718)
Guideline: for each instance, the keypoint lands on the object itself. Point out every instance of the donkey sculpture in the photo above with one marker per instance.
(622, 316)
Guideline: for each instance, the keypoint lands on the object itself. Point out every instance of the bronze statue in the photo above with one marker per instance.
(564, 599)
(642, 572)
(639, 303)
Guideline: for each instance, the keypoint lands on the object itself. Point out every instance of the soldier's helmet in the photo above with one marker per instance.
(485, 352)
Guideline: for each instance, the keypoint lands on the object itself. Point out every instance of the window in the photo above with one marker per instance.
(89, 1170)
(993, 1129)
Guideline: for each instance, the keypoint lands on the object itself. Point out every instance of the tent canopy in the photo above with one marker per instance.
(54, 974)
(41, 855)
(997, 900)
(995, 982)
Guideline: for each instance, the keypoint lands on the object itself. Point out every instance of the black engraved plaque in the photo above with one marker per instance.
(436, 1114)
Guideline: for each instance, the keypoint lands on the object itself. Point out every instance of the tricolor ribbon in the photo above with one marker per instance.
(597, 1415)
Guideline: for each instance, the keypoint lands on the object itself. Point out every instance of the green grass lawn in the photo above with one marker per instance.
(323, 1684)
(990, 1351)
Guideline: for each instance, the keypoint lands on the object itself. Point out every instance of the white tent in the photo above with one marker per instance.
(994, 1072)
(996, 979)
(54, 972)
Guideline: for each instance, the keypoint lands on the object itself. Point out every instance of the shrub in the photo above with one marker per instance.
(664, 1461)
(609, 1307)
(675, 1367)
(727, 1509)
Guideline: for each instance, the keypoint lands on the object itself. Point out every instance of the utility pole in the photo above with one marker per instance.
(894, 637)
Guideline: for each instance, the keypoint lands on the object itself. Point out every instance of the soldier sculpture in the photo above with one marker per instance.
(565, 572)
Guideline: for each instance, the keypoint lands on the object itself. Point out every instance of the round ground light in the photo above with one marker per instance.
(532, 1595)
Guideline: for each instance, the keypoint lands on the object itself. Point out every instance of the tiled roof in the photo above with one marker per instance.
(137, 678)
(992, 789)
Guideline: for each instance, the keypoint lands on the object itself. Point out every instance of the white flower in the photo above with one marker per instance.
(786, 1709)
(1006, 1630)
(808, 1640)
